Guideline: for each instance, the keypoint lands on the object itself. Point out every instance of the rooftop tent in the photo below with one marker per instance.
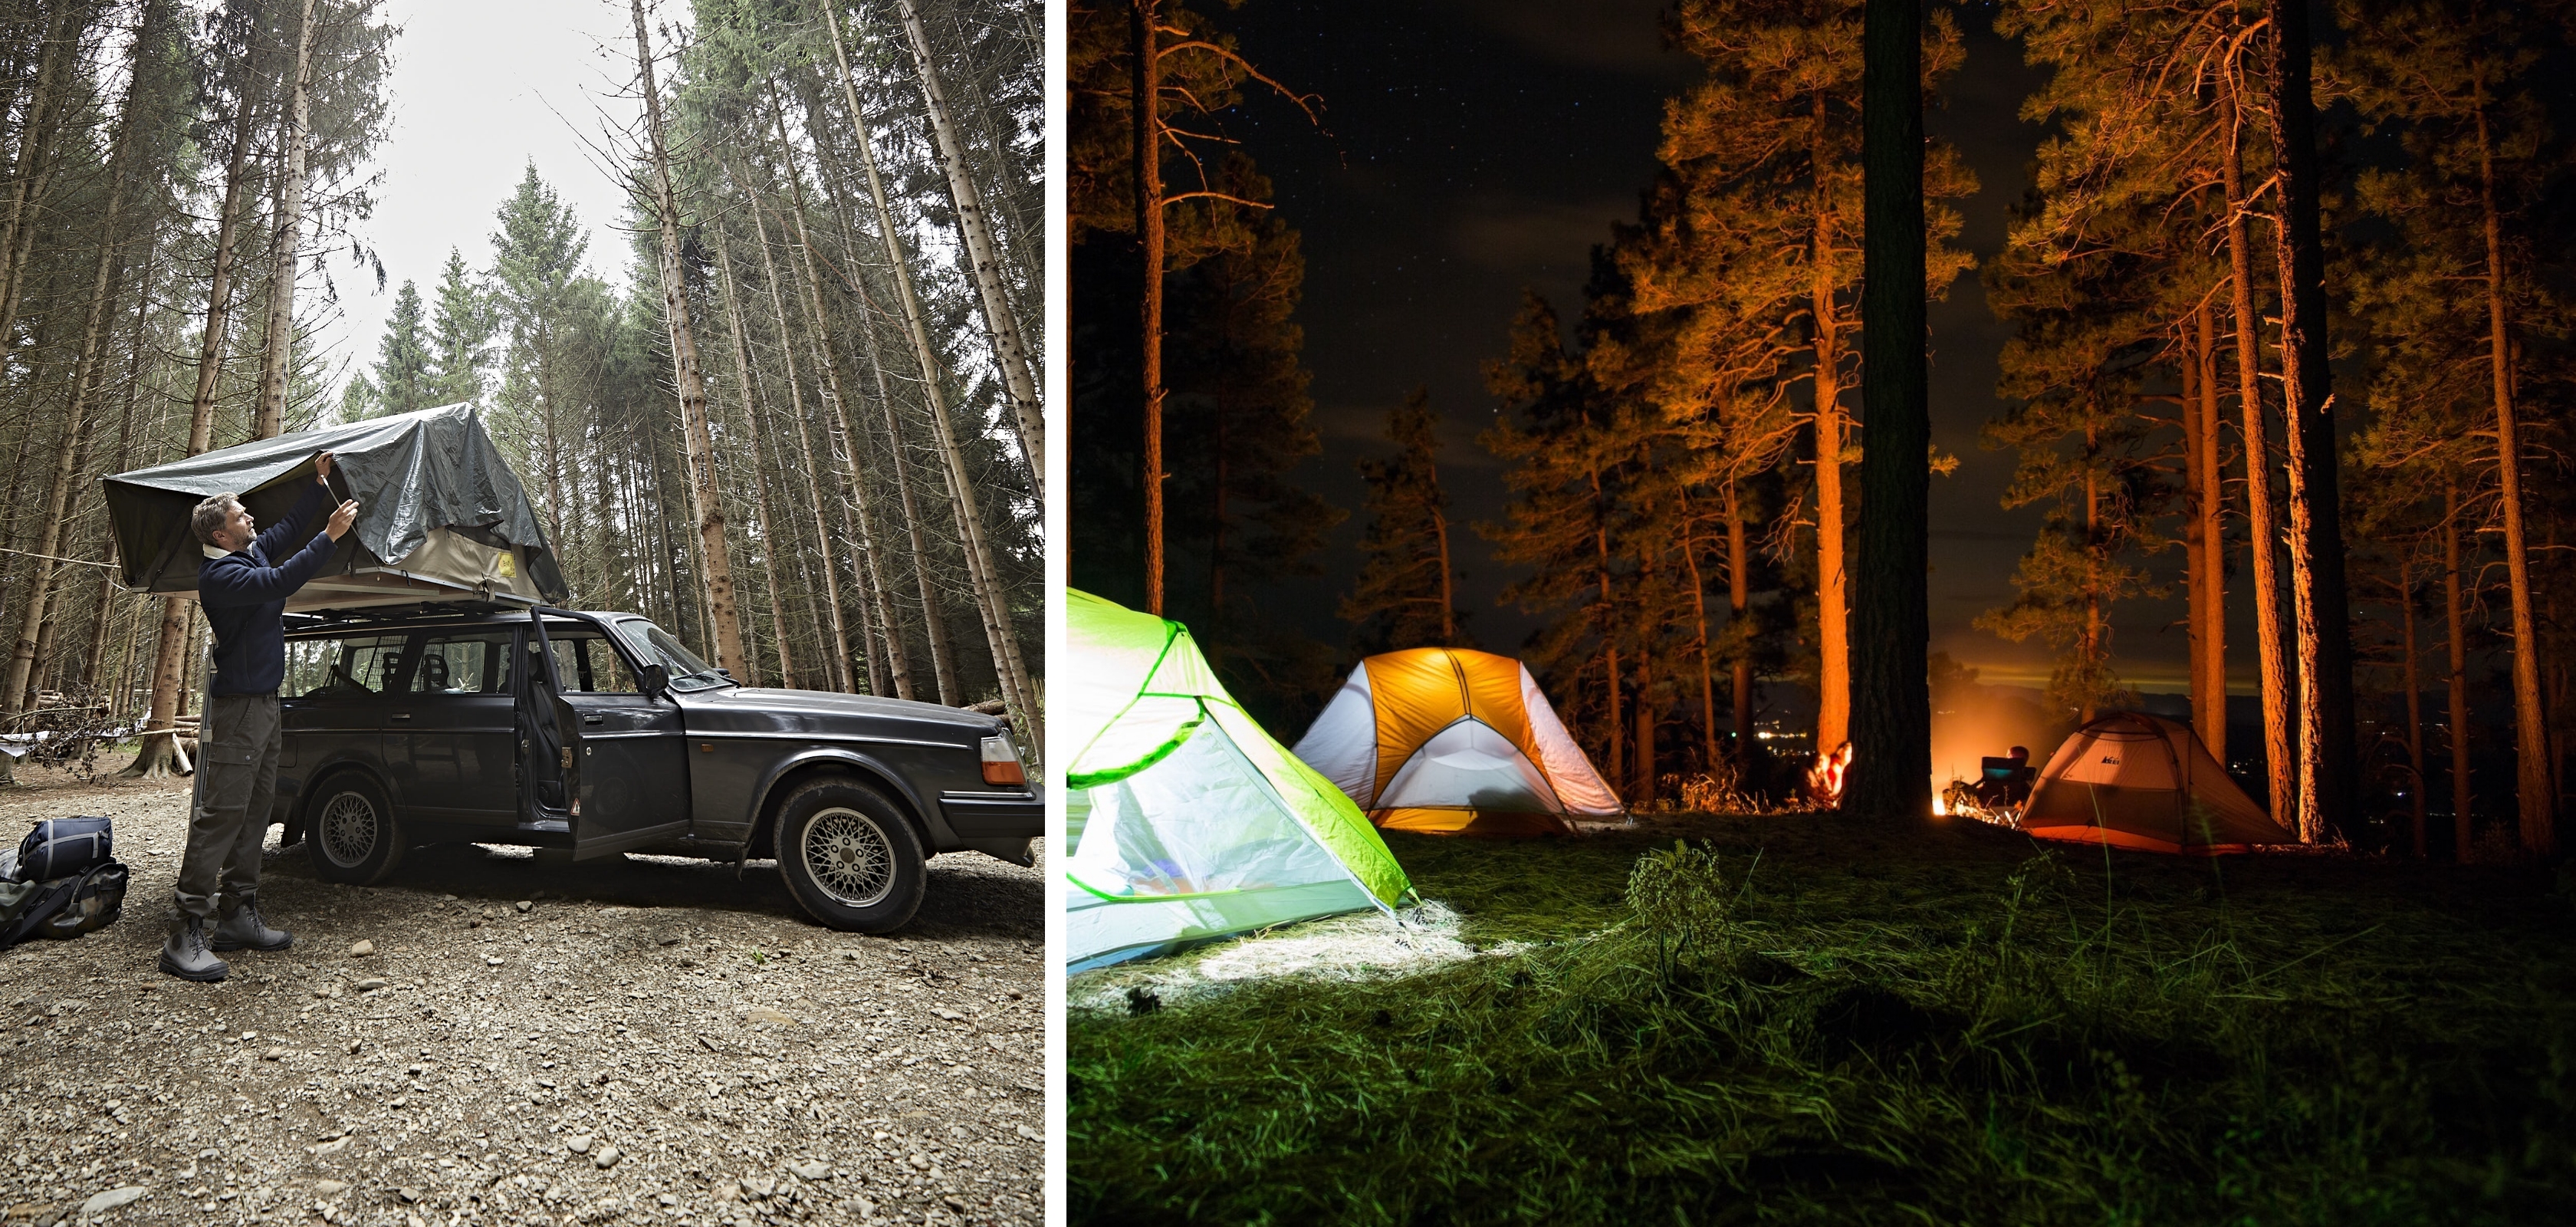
(2133, 780)
(1184, 820)
(1454, 742)
(440, 515)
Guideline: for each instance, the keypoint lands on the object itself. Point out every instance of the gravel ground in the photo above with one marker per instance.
(486, 1038)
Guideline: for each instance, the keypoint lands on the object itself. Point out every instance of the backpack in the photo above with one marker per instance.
(61, 847)
(64, 907)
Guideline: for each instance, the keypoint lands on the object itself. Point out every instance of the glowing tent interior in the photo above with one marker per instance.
(1184, 821)
(1454, 742)
(2132, 780)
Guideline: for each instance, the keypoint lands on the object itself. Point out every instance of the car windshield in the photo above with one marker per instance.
(656, 646)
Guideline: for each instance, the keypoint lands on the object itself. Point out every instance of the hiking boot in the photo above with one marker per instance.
(242, 928)
(185, 954)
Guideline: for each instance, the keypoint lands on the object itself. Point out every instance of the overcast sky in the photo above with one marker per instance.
(480, 89)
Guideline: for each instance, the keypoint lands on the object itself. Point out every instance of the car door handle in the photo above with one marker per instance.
(590, 719)
(402, 715)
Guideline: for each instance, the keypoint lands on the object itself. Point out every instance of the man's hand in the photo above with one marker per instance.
(341, 519)
(322, 472)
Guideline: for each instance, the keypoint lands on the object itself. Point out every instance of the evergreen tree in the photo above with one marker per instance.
(459, 330)
(401, 380)
(1406, 596)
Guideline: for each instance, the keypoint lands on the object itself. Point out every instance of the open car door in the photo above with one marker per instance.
(628, 775)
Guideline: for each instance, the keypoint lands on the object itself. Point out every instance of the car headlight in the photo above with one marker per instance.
(1002, 761)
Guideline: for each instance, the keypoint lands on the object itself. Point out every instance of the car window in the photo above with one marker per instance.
(585, 661)
(657, 645)
(343, 666)
(463, 662)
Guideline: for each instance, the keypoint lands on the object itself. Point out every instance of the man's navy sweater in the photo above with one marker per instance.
(245, 598)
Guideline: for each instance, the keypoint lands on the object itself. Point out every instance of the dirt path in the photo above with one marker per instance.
(635, 1040)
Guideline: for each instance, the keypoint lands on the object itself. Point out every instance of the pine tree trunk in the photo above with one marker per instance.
(34, 169)
(2209, 593)
(838, 658)
(1145, 107)
(1833, 633)
(2535, 794)
(761, 469)
(943, 655)
(1739, 605)
(104, 286)
(1641, 794)
(2414, 706)
(1609, 631)
(169, 656)
(2327, 765)
(2262, 537)
(898, 656)
(1699, 645)
(1009, 352)
(282, 253)
(1017, 695)
(2454, 624)
(1891, 768)
(701, 452)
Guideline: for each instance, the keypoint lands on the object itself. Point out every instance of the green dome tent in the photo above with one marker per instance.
(1184, 821)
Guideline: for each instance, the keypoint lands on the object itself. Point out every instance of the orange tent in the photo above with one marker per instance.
(2133, 780)
(1454, 742)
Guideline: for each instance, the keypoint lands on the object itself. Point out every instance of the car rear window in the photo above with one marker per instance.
(463, 662)
(343, 665)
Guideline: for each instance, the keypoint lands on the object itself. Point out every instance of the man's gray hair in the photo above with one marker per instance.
(213, 514)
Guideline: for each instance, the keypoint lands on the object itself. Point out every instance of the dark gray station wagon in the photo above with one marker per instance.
(598, 733)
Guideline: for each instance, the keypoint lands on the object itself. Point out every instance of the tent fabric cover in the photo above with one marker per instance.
(1186, 821)
(1451, 741)
(2132, 780)
(436, 502)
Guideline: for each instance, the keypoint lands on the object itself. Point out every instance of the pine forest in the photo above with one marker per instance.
(799, 427)
(2284, 317)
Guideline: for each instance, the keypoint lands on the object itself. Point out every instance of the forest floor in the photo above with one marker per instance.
(1804, 1020)
(635, 1040)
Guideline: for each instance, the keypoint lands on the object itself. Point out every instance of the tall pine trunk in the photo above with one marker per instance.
(2455, 629)
(1891, 771)
(1739, 605)
(701, 452)
(1145, 101)
(170, 651)
(871, 554)
(75, 421)
(2209, 586)
(839, 657)
(2535, 794)
(2280, 765)
(1010, 353)
(1833, 585)
(2327, 763)
(761, 469)
(1017, 694)
(282, 251)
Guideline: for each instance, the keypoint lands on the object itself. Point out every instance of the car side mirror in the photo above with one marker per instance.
(656, 680)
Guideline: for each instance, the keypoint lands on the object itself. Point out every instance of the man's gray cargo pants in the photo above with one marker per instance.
(236, 786)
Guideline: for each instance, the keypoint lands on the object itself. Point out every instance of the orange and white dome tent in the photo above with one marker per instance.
(2132, 780)
(1454, 742)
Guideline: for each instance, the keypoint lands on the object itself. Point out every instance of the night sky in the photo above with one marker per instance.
(1470, 148)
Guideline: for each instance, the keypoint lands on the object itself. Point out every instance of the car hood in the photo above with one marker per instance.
(767, 709)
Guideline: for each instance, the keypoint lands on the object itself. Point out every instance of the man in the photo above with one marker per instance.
(244, 599)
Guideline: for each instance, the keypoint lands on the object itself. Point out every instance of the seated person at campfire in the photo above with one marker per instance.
(2005, 782)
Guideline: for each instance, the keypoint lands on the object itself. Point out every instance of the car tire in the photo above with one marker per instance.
(850, 856)
(351, 834)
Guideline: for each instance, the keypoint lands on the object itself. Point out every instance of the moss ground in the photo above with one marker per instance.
(1795, 1019)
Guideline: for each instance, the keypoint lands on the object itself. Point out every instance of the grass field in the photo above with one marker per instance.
(1800, 1020)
